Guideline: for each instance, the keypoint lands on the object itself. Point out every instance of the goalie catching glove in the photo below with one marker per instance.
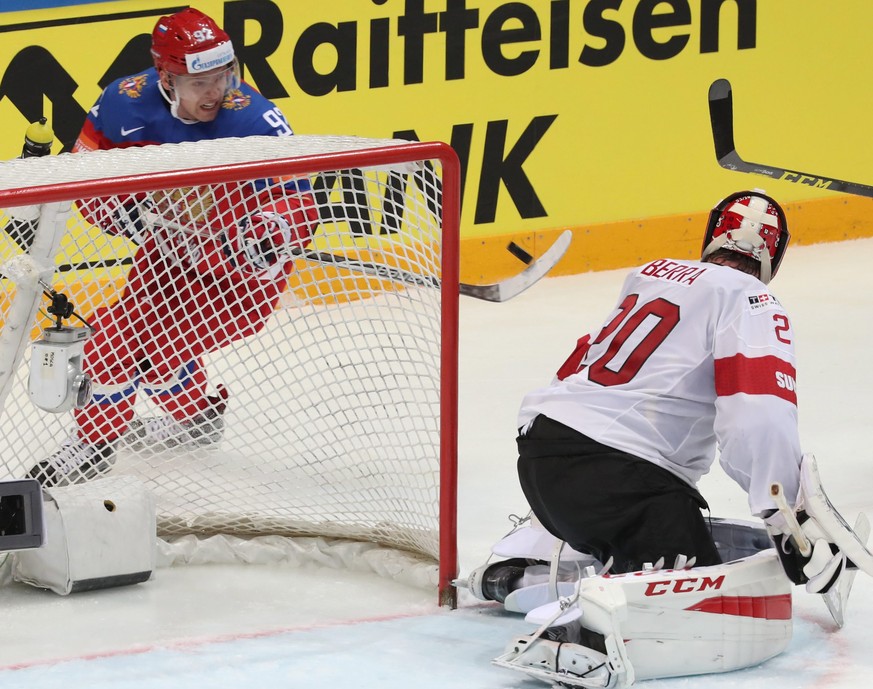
(261, 240)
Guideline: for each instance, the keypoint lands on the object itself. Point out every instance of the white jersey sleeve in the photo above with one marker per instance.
(693, 356)
(756, 398)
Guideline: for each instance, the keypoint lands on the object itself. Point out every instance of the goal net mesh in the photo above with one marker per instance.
(338, 410)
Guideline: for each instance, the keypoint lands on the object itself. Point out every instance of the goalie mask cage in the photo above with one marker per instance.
(341, 418)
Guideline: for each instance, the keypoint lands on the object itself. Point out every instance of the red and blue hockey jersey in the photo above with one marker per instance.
(132, 111)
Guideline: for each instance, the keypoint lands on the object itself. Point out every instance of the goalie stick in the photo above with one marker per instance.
(501, 291)
(722, 120)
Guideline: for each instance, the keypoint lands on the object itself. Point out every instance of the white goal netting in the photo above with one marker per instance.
(255, 394)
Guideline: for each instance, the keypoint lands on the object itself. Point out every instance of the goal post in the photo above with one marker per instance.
(341, 374)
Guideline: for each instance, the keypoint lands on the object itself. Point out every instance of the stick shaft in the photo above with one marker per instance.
(800, 539)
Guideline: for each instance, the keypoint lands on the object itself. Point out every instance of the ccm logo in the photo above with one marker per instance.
(785, 381)
(659, 588)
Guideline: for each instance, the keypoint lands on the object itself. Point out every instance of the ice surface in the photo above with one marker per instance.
(273, 626)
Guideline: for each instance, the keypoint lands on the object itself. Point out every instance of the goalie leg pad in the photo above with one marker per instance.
(555, 661)
(668, 623)
(712, 619)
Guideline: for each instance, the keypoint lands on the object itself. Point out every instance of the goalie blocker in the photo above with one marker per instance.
(816, 545)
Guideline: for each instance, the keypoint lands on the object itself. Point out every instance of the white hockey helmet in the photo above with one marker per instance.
(749, 223)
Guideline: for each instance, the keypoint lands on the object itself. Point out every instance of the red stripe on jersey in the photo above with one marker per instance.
(572, 364)
(90, 139)
(761, 375)
(759, 607)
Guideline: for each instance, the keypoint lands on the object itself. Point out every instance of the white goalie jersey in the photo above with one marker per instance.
(694, 355)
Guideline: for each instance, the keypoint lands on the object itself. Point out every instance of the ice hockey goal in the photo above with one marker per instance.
(341, 416)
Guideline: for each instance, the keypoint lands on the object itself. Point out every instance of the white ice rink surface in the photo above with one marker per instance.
(272, 626)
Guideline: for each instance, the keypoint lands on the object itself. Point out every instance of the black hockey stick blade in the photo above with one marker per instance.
(721, 107)
(721, 117)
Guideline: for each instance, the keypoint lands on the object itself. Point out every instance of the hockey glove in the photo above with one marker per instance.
(127, 220)
(819, 570)
(261, 240)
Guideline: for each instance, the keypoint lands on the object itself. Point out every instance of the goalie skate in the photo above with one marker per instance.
(558, 663)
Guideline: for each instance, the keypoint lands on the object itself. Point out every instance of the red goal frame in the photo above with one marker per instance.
(313, 164)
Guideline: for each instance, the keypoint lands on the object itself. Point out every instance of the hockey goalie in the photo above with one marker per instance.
(620, 570)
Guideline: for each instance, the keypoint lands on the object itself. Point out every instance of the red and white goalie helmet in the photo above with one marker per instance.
(749, 223)
(190, 42)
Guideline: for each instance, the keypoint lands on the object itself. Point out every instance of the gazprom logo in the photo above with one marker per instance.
(218, 56)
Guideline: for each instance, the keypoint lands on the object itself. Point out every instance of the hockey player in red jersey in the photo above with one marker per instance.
(696, 356)
(212, 278)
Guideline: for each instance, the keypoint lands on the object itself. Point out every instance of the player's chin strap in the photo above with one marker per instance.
(174, 104)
